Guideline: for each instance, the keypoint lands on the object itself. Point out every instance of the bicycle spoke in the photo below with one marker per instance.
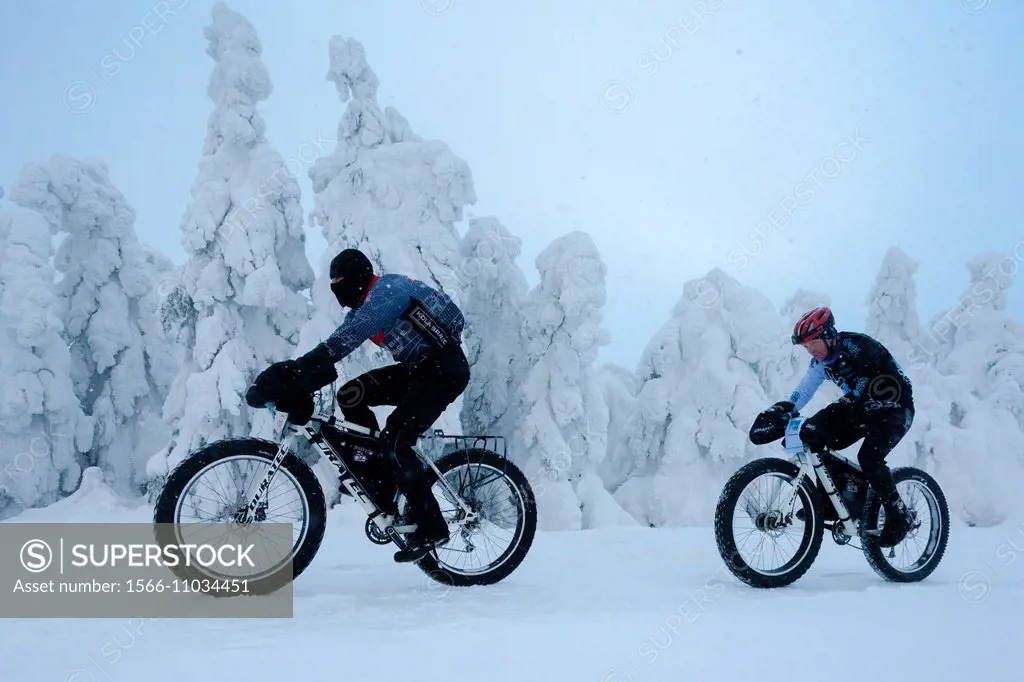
(776, 540)
(483, 488)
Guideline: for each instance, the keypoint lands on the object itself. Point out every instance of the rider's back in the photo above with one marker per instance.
(865, 369)
(382, 315)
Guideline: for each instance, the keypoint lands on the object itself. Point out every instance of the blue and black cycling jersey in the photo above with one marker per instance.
(865, 371)
(404, 316)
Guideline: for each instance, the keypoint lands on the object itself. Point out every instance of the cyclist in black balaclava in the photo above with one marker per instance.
(351, 275)
(422, 330)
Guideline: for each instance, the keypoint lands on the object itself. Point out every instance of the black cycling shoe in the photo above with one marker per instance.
(425, 538)
(431, 528)
(419, 548)
(897, 524)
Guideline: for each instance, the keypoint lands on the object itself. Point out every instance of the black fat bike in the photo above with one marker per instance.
(795, 500)
(472, 479)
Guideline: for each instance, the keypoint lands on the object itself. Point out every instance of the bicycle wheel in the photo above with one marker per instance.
(192, 495)
(780, 529)
(498, 491)
(922, 548)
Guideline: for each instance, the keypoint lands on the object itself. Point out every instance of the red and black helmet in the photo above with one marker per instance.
(813, 324)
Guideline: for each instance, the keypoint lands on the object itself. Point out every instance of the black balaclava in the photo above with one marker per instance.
(357, 273)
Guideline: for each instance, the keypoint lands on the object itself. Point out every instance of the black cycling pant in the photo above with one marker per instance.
(420, 394)
(841, 424)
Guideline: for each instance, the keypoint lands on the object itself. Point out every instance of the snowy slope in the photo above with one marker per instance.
(612, 605)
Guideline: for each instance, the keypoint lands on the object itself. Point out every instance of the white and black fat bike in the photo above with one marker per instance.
(832, 493)
(249, 481)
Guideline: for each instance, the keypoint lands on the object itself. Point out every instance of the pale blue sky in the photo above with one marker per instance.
(746, 102)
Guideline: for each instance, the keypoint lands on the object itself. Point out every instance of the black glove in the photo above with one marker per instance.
(781, 407)
(290, 384)
(770, 425)
(273, 383)
(315, 369)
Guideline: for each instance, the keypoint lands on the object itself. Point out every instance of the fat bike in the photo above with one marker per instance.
(486, 500)
(785, 505)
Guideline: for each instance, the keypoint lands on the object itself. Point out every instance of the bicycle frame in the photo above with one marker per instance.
(286, 435)
(813, 469)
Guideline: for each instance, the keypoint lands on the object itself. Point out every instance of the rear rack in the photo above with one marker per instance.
(435, 443)
(439, 443)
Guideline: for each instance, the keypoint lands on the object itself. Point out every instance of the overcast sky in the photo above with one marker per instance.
(674, 133)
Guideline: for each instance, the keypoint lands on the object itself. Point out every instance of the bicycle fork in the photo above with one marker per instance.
(813, 469)
(247, 514)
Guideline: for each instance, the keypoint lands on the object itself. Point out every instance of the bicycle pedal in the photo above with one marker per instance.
(405, 529)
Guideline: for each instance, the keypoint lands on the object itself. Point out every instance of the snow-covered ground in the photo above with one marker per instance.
(610, 605)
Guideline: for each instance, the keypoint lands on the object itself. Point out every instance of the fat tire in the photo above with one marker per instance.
(439, 573)
(875, 553)
(182, 475)
(810, 546)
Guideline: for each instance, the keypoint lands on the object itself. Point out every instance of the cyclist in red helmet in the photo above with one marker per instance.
(877, 405)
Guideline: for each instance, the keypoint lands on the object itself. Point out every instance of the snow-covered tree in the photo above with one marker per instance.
(615, 405)
(802, 301)
(165, 358)
(1005, 371)
(389, 193)
(980, 363)
(558, 441)
(120, 359)
(892, 315)
(964, 334)
(892, 304)
(493, 305)
(245, 243)
(363, 126)
(702, 380)
(43, 431)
